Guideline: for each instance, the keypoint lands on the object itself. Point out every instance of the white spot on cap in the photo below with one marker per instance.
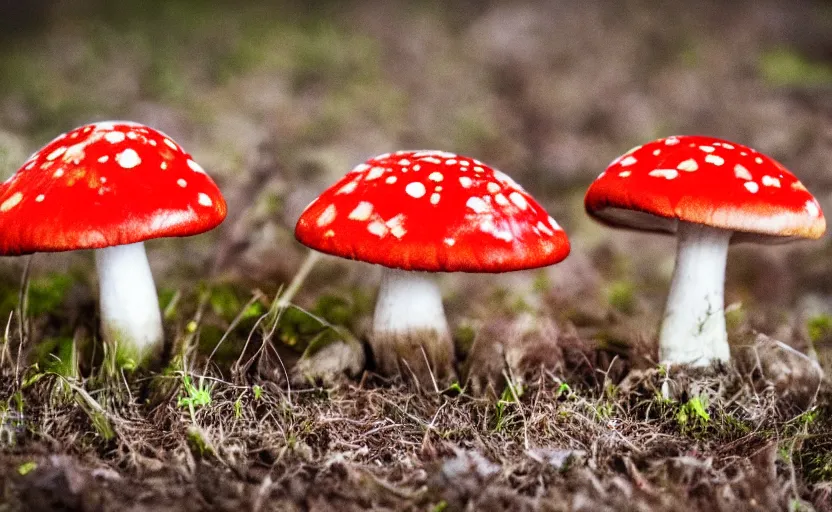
(390, 180)
(633, 150)
(11, 202)
(114, 137)
(360, 168)
(714, 159)
(758, 160)
(518, 200)
(55, 154)
(395, 225)
(195, 166)
(103, 159)
(554, 224)
(58, 173)
(204, 200)
(501, 200)
(436, 176)
(362, 212)
(417, 167)
(741, 172)
(492, 187)
(629, 160)
(707, 149)
(671, 141)
(375, 173)
(377, 228)
(449, 242)
(812, 208)
(172, 145)
(727, 146)
(770, 181)
(625, 174)
(30, 165)
(464, 163)
(477, 204)
(657, 152)
(404, 161)
(432, 160)
(163, 165)
(465, 181)
(688, 165)
(477, 168)
(327, 216)
(667, 174)
(545, 229)
(450, 161)
(40, 198)
(415, 189)
(182, 183)
(434, 198)
(349, 188)
(128, 159)
(751, 186)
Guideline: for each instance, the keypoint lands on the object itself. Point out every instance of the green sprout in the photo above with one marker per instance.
(26, 468)
(694, 412)
(195, 396)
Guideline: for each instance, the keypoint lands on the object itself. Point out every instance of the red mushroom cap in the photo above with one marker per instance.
(105, 184)
(707, 181)
(432, 211)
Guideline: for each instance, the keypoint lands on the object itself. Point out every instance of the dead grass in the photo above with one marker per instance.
(558, 441)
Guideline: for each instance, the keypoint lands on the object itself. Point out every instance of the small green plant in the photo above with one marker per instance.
(442, 506)
(195, 396)
(258, 391)
(511, 394)
(455, 388)
(26, 468)
(693, 413)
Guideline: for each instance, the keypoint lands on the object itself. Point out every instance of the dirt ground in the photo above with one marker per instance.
(259, 407)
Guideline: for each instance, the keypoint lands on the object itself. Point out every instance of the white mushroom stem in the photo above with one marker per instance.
(410, 335)
(407, 302)
(693, 331)
(130, 314)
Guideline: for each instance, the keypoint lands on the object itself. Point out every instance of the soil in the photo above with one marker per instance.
(559, 403)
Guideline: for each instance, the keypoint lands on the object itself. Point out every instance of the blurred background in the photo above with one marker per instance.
(278, 99)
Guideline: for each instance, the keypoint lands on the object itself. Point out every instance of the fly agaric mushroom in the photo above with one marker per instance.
(427, 211)
(709, 192)
(109, 186)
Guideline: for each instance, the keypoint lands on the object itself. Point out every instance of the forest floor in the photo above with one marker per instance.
(260, 407)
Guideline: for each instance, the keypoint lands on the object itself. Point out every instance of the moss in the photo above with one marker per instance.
(621, 296)
(819, 327)
(784, 66)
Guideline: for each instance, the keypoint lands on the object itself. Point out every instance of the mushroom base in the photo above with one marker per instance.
(423, 356)
(130, 316)
(410, 334)
(693, 331)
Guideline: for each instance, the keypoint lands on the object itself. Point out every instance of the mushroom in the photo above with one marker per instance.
(416, 212)
(709, 192)
(109, 186)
